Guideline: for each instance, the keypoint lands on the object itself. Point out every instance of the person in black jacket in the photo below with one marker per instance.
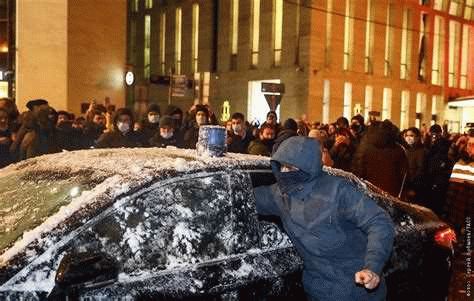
(437, 170)
(290, 129)
(239, 137)
(122, 134)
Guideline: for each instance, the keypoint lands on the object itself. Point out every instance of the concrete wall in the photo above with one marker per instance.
(70, 51)
(41, 52)
(96, 51)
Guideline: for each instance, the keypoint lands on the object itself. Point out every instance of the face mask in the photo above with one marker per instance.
(288, 180)
(237, 128)
(153, 118)
(410, 140)
(167, 135)
(123, 127)
(201, 120)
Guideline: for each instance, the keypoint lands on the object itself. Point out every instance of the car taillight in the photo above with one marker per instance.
(445, 237)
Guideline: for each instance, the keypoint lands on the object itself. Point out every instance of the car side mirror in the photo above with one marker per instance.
(84, 270)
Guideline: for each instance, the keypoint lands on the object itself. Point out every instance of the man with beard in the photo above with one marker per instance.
(238, 138)
(263, 145)
(165, 136)
(342, 235)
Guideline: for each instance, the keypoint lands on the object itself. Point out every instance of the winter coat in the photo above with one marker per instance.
(381, 161)
(158, 141)
(117, 139)
(191, 136)
(336, 228)
(5, 156)
(92, 132)
(239, 145)
(148, 131)
(282, 136)
(259, 147)
(69, 138)
(342, 155)
(416, 159)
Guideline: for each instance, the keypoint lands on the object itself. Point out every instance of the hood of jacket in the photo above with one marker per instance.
(301, 152)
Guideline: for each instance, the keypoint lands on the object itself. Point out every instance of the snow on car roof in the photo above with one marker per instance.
(139, 162)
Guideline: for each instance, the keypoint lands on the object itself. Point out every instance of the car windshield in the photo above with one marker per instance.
(28, 197)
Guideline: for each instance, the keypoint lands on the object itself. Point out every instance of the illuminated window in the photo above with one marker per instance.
(455, 7)
(348, 34)
(277, 31)
(405, 51)
(327, 48)
(469, 10)
(148, 4)
(463, 84)
(388, 41)
(387, 104)
(297, 33)
(326, 100)
(177, 42)
(347, 112)
(438, 47)
(135, 5)
(146, 54)
(420, 108)
(369, 37)
(163, 43)
(404, 109)
(195, 38)
(436, 105)
(422, 47)
(369, 93)
(234, 32)
(454, 35)
(255, 34)
(440, 4)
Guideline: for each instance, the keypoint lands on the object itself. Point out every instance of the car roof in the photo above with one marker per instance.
(140, 162)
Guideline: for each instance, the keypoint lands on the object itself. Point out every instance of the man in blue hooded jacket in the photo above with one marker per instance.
(342, 235)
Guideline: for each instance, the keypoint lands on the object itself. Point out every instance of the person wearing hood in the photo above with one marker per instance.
(165, 137)
(378, 152)
(342, 235)
(150, 125)
(122, 134)
(290, 129)
(201, 117)
(263, 145)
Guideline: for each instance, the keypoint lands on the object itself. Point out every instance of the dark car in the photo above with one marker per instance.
(161, 224)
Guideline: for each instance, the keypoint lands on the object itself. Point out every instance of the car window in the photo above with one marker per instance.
(185, 222)
(30, 196)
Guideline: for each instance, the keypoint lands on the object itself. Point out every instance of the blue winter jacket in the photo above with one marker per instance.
(337, 229)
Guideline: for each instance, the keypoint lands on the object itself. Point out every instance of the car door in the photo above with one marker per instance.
(177, 238)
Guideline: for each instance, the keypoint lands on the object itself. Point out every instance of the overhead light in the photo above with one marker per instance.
(129, 78)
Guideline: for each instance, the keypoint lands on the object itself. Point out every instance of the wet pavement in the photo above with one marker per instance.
(462, 281)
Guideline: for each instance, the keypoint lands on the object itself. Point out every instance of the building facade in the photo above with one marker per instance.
(69, 52)
(403, 60)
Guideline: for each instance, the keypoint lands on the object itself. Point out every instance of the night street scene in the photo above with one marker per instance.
(223, 150)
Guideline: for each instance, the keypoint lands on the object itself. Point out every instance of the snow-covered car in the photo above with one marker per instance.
(166, 224)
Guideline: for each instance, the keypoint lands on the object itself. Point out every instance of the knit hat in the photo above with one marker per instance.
(166, 121)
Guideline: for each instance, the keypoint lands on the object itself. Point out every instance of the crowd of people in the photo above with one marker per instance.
(414, 164)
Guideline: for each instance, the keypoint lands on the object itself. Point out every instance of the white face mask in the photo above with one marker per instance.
(153, 118)
(201, 120)
(167, 135)
(410, 140)
(237, 128)
(123, 127)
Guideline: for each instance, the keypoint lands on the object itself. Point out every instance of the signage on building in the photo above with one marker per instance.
(273, 88)
(179, 85)
(273, 101)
